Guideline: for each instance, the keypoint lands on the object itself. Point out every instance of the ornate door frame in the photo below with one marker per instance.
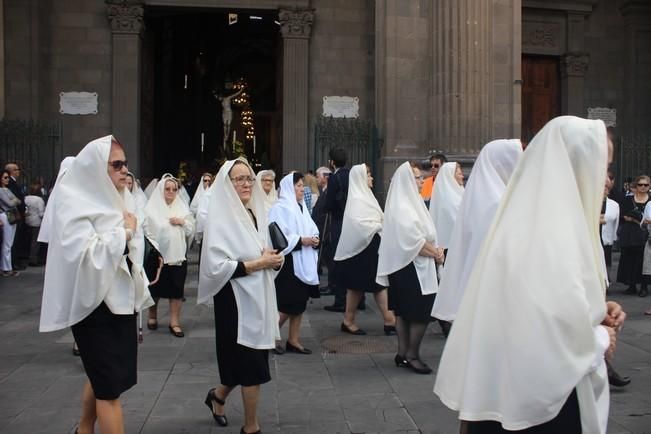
(127, 24)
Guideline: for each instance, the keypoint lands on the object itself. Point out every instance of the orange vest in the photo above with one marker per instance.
(428, 187)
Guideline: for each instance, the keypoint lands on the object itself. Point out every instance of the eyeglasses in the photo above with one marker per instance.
(267, 180)
(642, 185)
(242, 180)
(118, 164)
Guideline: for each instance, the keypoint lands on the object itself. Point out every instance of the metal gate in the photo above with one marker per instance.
(34, 146)
(358, 137)
(632, 158)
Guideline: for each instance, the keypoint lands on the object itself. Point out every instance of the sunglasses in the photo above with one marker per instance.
(436, 166)
(118, 164)
(643, 185)
(206, 180)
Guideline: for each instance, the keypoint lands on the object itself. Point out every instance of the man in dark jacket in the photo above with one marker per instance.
(20, 248)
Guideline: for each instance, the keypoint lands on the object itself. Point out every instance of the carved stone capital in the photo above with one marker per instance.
(574, 64)
(296, 23)
(126, 16)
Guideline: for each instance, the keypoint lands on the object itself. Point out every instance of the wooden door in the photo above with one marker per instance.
(541, 97)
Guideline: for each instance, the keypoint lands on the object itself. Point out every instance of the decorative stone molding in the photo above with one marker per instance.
(543, 35)
(296, 23)
(574, 64)
(126, 16)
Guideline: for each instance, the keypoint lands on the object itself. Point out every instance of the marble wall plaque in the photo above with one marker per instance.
(78, 103)
(608, 115)
(341, 106)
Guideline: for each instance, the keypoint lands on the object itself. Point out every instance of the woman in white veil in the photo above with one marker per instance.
(202, 189)
(488, 179)
(526, 352)
(94, 281)
(237, 274)
(446, 200)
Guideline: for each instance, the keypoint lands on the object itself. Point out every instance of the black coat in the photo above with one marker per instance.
(335, 204)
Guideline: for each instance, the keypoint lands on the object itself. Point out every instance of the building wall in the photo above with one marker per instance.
(55, 46)
(341, 57)
(605, 43)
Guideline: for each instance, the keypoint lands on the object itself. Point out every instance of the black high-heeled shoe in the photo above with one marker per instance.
(389, 330)
(400, 361)
(346, 329)
(219, 418)
(424, 370)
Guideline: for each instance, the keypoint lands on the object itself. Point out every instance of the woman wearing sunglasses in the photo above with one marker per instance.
(632, 238)
(94, 281)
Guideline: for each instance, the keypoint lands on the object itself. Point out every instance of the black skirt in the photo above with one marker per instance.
(405, 297)
(108, 345)
(629, 270)
(358, 273)
(171, 283)
(568, 421)
(291, 293)
(238, 365)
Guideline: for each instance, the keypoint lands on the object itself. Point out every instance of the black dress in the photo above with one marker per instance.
(108, 345)
(238, 365)
(171, 283)
(291, 293)
(405, 297)
(358, 273)
(631, 240)
(568, 421)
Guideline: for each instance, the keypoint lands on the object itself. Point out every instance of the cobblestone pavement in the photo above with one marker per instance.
(326, 392)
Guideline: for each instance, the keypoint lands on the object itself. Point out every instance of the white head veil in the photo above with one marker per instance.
(169, 239)
(272, 196)
(86, 264)
(445, 202)
(230, 236)
(151, 187)
(407, 227)
(199, 194)
(362, 216)
(524, 336)
(295, 222)
(46, 223)
(140, 198)
(485, 188)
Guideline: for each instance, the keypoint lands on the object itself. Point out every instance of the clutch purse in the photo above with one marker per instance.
(278, 240)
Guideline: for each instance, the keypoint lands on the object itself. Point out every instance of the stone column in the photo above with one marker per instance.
(573, 69)
(637, 87)
(2, 60)
(295, 27)
(126, 18)
(462, 65)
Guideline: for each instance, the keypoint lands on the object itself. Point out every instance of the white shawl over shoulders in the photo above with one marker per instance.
(48, 217)
(485, 188)
(407, 227)
(525, 333)
(171, 240)
(230, 236)
(295, 222)
(363, 216)
(86, 264)
(445, 203)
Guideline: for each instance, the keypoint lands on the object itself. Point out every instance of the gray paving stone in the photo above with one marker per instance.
(40, 380)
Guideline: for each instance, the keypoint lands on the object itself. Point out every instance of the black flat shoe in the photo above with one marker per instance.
(401, 362)
(244, 432)
(152, 324)
(278, 349)
(389, 330)
(179, 333)
(289, 348)
(219, 418)
(424, 370)
(346, 329)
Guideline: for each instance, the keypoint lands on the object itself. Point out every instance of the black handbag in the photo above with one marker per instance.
(278, 240)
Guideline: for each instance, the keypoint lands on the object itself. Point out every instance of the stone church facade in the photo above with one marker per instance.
(429, 74)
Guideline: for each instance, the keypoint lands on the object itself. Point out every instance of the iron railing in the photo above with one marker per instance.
(35, 146)
(632, 158)
(357, 136)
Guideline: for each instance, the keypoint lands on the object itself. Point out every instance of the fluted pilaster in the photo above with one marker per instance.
(462, 87)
